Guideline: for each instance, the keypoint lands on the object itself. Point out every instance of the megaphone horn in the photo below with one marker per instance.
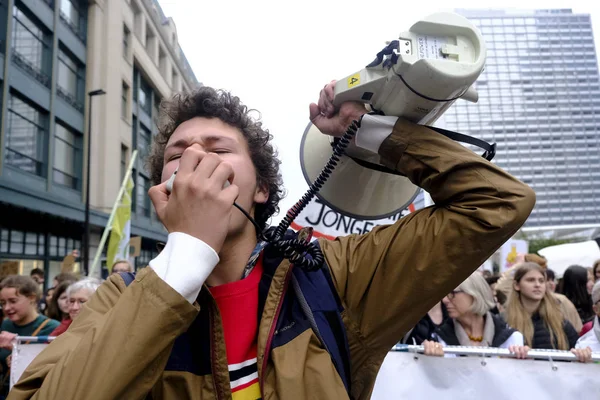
(352, 189)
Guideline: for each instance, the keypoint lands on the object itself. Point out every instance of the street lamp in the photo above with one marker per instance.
(86, 224)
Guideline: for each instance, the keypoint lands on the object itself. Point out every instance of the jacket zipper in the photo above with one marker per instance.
(272, 329)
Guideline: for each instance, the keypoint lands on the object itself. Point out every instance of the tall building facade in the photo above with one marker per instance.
(539, 100)
(52, 53)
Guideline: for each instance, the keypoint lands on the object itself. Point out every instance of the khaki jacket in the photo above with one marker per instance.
(119, 347)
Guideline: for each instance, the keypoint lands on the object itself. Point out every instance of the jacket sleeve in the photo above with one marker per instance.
(390, 277)
(116, 348)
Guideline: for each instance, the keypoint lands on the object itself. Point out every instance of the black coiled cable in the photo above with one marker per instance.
(302, 253)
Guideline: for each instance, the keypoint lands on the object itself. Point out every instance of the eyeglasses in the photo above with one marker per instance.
(453, 294)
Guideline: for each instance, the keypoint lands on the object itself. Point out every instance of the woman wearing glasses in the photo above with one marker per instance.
(472, 324)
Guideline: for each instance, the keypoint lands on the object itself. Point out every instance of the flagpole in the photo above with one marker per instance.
(108, 226)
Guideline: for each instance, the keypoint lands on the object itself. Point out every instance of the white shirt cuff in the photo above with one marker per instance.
(374, 129)
(185, 263)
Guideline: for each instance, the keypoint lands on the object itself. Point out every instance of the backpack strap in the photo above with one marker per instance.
(322, 307)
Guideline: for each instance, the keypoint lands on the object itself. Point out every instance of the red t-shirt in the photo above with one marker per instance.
(238, 304)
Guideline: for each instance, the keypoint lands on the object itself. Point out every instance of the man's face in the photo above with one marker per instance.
(213, 135)
(38, 279)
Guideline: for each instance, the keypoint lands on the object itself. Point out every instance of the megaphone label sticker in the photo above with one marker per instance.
(431, 46)
(354, 80)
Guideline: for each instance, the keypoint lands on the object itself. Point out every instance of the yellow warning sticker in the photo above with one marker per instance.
(354, 80)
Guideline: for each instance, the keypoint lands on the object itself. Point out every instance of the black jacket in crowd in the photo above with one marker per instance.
(424, 329)
(541, 334)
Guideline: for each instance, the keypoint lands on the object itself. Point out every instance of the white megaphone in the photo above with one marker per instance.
(416, 77)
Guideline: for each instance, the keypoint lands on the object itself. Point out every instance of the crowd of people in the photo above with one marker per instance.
(220, 313)
(522, 309)
(25, 312)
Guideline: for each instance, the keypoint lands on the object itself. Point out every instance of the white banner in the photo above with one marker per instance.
(22, 355)
(331, 224)
(415, 376)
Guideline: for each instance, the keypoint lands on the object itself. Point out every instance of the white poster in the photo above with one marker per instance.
(415, 376)
(509, 252)
(22, 355)
(331, 224)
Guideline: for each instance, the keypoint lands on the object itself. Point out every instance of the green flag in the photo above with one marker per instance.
(118, 244)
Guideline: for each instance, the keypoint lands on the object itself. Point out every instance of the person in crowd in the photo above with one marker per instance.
(38, 276)
(427, 326)
(45, 303)
(492, 281)
(78, 294)
(591, 333)
(596, 271)
(501, 299)
(575, 286)
(59, 307)
(19, 297)
(506, 282)
(121, 266)
(471, 323)
(49, 294)
(550, 280)
(211, 280)
(534, 312)
(64, 277)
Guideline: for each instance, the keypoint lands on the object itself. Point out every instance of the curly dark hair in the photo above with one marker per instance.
(210, 103)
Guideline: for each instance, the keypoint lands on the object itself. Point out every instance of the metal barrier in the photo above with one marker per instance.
(551, 355)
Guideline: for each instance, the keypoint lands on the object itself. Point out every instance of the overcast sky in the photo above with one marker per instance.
(277, 55)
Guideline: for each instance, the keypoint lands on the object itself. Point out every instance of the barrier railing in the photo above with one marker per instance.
(556, 355)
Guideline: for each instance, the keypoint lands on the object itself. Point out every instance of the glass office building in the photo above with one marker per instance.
(539, 100)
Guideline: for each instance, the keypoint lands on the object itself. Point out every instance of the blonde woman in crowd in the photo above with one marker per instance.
(505, 285)
(533, 311)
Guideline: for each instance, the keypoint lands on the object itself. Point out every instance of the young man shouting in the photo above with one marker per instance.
(204, 320)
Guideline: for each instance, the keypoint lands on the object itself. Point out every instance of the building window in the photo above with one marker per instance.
(162, 61)
(67, 157)
(175, 81)
(71, 80)
(143, 200)
(126, 36)
(26, 137)
(31, 47)
(143, 143)
(124, 151)
(73, 14)
(124, 98)
(144, 95)
(151, 43)
(156, 109)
